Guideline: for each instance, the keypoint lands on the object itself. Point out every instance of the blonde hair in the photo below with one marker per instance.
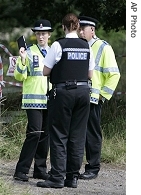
(71, 22)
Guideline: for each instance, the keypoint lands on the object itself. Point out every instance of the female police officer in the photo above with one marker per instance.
(70, 62)
(29, 69)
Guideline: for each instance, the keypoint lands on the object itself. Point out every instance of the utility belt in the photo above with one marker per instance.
(70, 84)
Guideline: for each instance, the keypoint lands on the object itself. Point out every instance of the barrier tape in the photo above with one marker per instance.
(6, 50)
(14, 84)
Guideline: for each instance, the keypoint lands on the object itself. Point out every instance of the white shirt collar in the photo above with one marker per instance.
(71, 35)
(92, 40)
(47, 47)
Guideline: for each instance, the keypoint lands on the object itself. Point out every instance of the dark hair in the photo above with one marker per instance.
(71, 21)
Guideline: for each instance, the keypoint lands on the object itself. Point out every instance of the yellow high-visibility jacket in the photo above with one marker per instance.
(106, 73)
(34, 94)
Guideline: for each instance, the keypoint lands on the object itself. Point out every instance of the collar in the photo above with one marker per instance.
(43, 47)
(92, 41)
(72, 35)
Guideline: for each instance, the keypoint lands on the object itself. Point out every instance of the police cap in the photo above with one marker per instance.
(42, 25)
(87, 21)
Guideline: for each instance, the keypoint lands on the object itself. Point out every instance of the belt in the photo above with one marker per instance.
(64, 84)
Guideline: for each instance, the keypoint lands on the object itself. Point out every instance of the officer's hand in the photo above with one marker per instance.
(22, 52)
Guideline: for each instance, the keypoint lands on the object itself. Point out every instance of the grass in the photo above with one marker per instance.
(113, 127)
(11, 190)
(4, 189)
(114, 142)
(114, 150)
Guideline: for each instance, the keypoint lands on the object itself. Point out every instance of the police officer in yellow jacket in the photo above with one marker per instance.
(103, 87)
(29, 69)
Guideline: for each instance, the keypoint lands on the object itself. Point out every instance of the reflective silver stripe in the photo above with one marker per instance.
(97, 59)
(76, 49)
(29, 53)
(108, 90)
(30, 57)
(101, 69)
(34, 96)
(111, 69)
(21, 71)
(94, 90)
(106, 70)
(35, 73)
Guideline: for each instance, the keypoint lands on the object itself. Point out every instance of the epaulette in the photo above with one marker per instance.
(59, 38)
(83, 39)
(106, 43)
(29, 45)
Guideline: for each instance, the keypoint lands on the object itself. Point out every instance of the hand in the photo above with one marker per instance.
(22, 53)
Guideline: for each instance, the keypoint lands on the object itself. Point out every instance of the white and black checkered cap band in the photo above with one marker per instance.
(86, 22)
(41, 28)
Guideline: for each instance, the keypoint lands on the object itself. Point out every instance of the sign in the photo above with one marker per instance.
(12, 65)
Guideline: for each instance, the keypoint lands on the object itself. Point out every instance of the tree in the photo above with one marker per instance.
(12, 15)
(110, 13)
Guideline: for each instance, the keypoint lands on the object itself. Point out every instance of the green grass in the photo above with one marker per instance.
(4, 189)
(113, 127)
(12, 136)
(11, 189)
(114, 150)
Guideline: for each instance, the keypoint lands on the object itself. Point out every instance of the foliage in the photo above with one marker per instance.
(112, 124)
(114, 150)
(4, 188)
(12, 135)
(111, 14)
(12, 15)
(23, 13)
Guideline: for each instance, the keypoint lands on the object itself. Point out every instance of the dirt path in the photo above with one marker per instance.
(111, 181)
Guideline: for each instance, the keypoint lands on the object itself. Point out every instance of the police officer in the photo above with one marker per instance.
(29, 69)
(71, 63)
(107, 72)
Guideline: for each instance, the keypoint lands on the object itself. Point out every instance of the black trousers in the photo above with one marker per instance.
(94, 138)
(36, 144)
(68, 115)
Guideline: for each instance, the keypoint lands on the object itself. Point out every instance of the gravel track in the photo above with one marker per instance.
(111, 181)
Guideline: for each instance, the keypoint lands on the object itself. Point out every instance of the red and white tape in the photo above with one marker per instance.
(14, 84)
(6, 50)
